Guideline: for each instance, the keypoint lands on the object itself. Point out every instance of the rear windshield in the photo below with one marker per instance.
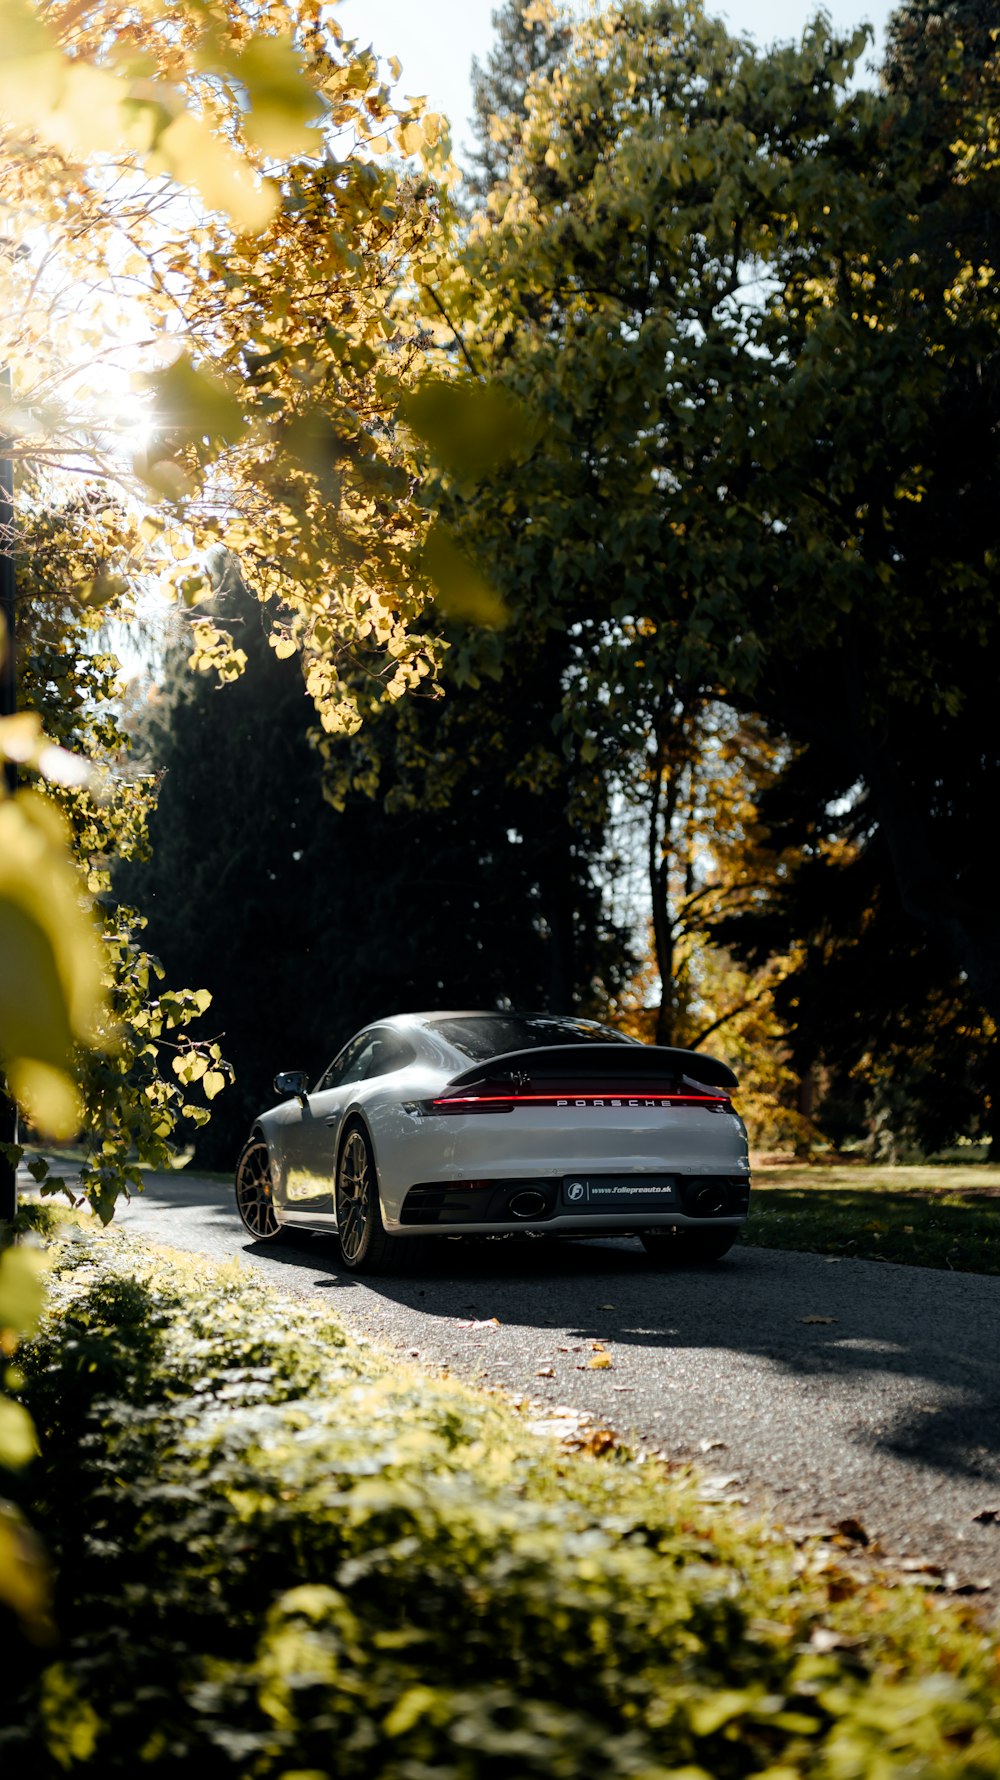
(482, 1036)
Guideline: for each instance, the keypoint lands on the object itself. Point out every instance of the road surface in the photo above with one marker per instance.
(813, 1389)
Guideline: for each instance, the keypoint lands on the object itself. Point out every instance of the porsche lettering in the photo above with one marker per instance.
(592, 1102)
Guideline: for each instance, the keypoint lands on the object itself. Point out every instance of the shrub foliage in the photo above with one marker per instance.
(279, 1554)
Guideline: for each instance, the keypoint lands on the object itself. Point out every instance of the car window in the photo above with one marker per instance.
(393, 1052)
(481, 1036)
(376, 1051)
(342, 1062)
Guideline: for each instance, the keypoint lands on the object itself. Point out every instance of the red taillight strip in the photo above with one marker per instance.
(609, 1099)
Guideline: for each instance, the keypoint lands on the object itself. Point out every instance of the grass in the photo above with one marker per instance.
(283, 1553)
(931, 1215)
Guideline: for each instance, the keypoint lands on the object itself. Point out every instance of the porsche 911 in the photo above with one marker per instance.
(485, 1124)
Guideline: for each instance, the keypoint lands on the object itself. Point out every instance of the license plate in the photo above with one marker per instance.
(612, 1192)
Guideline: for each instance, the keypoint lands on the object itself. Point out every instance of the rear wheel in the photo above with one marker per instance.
(254, 1191)
(687, 1248)
(365, 1245)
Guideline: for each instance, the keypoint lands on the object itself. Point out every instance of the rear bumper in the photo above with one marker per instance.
(583, 1203)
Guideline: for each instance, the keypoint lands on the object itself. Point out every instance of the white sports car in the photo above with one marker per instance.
(480, 1124)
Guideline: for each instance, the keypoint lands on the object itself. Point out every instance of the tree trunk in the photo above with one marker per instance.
(558, 866)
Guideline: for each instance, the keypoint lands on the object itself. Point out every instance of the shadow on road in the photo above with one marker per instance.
(807, 1315)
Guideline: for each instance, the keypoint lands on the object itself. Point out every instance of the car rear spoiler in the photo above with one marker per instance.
(606, 1063)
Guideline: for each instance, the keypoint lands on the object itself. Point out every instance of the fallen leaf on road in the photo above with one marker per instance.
(715, 1489)
(817, 1319)
(712, 1446)
(771, 1628)
(623, 1387)
(605, 1307)
(546, 1372)
(598, 1362)
(841, 1588)
(851, 1530)
(988, 1517)
(598, 1441)
(486, 1322)
(598, 1347)
(824, 1639)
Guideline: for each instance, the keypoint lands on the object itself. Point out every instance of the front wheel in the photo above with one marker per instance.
(254, 1192)
(687, 1248)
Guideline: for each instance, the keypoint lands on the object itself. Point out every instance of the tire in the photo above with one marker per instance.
(688, 1248)
(365, 1245)
(254, 1191)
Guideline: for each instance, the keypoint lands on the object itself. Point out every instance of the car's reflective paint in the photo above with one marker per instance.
(689, 1130)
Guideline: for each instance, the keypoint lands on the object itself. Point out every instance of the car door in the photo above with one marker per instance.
(312, 1131)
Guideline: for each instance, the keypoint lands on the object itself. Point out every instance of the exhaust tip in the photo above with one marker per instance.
(710, 1201)
(527, 1204)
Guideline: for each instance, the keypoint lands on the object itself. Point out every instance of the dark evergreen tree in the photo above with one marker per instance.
(526, 41)
(451, 886)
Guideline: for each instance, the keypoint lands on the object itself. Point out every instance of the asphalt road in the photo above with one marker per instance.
(816, 1390)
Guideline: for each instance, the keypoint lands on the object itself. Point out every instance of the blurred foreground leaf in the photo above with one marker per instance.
(461, 590)
(471, 428)
(50, 973)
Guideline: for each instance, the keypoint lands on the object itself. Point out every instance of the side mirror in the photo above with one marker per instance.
(292, 1081)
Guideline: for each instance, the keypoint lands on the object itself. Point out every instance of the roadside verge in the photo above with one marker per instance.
(281, 1552)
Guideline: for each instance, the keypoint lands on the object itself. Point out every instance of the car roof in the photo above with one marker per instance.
(478, 1013)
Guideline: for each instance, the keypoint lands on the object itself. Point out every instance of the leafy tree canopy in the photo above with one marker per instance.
(205, 219)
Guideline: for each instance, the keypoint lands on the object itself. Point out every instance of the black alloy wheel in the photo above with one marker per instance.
(688, 1248)
(254, 1190)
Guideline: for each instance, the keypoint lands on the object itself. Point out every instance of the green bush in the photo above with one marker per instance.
(282, 1555)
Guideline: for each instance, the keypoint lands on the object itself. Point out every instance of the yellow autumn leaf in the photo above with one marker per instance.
(213, 1082)
(599, 1362)
(50, 965)
(193, 155)
(91, 117)
(471, 427)
(23, 740)
(197, 404)
(31, 65)
(462, 592)
(284, 105)
(410, 137)
(18, 1444)
(21, 1293)
(24, 1575)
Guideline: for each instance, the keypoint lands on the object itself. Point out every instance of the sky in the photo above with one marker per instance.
(436, 39)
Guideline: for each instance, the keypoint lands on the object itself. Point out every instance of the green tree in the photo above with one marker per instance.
(612, 285)
(756, 316)
(529, 38)
(876, 468)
